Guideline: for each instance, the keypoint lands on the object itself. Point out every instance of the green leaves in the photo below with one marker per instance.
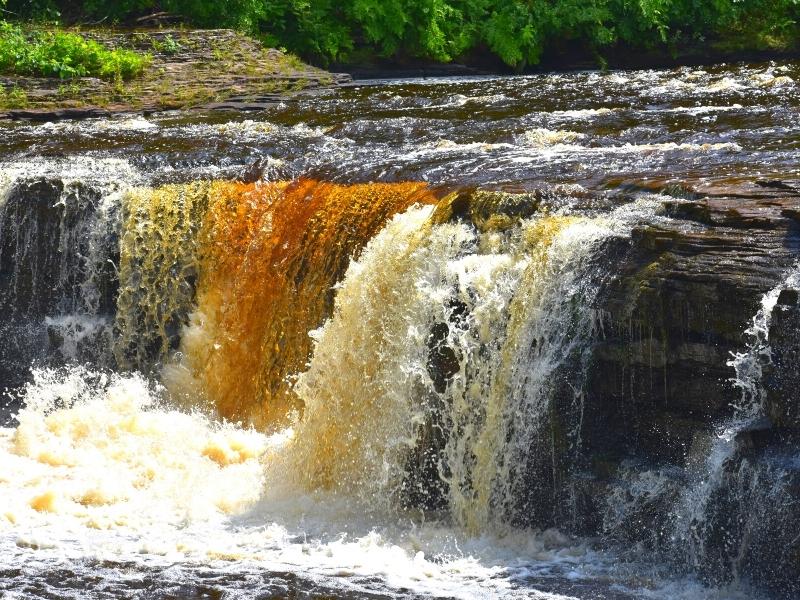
(64, 55)
(519, 32)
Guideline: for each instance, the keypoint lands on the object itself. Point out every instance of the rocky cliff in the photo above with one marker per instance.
(639, 446)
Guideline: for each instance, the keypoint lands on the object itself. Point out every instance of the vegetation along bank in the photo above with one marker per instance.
(518, 33)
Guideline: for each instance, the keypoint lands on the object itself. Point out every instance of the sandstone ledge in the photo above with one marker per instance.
(190, 69)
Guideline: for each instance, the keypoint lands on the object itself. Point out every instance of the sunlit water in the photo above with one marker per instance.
(596, 129)
(119, 496)
(108, 491)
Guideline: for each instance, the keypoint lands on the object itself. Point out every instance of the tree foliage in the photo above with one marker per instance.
(517, 31)
(63, 55)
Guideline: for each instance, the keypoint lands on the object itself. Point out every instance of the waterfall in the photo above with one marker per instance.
(268, 258)
(438, 373)
(158, 267)
(59, 225)
(103, 270)
(444, 378)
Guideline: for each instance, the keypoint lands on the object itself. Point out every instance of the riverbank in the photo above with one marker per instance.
(568, 55)
(561, 60)
(206, 69)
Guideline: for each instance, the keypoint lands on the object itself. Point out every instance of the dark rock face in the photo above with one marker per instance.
(45, 231)
(660, 383)
(54, 262)
(677, 309)
(783, 377)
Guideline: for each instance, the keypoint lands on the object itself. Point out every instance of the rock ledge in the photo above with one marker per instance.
(190, 69)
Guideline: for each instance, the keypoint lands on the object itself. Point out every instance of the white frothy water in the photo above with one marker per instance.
(98, 469)
(111, 173)
(543, 138)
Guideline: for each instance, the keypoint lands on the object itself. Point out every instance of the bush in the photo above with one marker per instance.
(64, 55)
(14, 97)
(517, 31)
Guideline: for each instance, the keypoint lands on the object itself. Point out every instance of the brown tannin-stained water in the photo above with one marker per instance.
(339, 348)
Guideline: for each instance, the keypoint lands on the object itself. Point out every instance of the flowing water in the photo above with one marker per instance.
(339, 348)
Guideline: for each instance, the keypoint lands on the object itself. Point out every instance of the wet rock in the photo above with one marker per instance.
(694, 211)
(684, 293)
(41, 245)
(775, 184)
(638, 503)
(783, 377)
(659, 383)
(487, 210)
(749, 527)
(21, 343)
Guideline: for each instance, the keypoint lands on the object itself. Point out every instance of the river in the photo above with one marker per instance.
(343, 347)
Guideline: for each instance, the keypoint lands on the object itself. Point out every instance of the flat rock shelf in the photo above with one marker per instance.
(206, 69)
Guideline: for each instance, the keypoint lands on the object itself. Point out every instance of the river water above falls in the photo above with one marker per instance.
(524, 337)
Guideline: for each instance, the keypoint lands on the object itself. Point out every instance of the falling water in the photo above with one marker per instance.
(181, 434)
(268, 257)
(435, 377)
(725, 472)
(432, 372)
(158, 266)
(749, 365)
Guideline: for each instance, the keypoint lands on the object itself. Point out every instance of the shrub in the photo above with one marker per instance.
(14, 97)
(517, 31)
(64, 55)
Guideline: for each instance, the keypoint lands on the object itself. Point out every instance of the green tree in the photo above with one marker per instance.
(519, 32)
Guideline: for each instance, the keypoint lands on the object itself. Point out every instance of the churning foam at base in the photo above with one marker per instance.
(95, 450)
(99, 470)
(100, 481)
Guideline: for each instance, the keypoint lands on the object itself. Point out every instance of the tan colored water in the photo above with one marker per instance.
(437, 335)
(269, 256)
